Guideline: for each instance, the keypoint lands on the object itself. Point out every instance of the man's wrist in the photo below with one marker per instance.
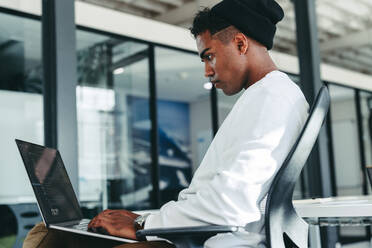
(139, 222)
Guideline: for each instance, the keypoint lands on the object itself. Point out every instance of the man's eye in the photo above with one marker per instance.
(208, 57)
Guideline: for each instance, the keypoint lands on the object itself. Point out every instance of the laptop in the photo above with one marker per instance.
(55, 196)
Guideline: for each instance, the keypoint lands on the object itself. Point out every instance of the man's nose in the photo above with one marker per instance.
(208, 71)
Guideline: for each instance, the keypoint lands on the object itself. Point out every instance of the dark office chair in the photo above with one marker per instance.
(284, 228)
(27, 215)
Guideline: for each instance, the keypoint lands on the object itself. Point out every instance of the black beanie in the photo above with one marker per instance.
(255, 18)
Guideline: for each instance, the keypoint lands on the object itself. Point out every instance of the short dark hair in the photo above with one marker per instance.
(204, 20)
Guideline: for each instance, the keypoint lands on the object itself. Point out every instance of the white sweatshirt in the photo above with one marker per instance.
(232, 181)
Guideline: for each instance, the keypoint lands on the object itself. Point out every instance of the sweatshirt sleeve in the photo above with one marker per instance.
(248, 160)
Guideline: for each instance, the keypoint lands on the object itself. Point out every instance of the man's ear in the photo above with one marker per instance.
(242, 43)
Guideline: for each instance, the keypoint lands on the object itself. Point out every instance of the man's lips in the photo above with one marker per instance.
(215, 83)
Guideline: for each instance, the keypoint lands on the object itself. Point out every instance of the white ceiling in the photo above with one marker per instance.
(345, 27)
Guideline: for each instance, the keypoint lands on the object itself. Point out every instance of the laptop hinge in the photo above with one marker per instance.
(67, 223)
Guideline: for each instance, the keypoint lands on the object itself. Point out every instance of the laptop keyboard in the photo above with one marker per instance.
(83, 225)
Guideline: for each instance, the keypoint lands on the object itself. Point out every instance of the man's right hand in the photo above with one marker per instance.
(118, 223)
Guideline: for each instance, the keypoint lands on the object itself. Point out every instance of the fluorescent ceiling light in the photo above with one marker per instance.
(208, 86)
(119, 71)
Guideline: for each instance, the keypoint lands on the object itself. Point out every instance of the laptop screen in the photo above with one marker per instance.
(50, 182)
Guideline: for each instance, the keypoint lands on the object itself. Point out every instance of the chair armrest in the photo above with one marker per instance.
(205, 231)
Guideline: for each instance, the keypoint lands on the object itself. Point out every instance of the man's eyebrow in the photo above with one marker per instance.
(203, 52)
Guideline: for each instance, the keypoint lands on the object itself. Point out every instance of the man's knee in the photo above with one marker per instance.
(35, 236)
(42, 237)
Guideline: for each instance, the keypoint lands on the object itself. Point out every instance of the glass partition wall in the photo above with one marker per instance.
(113, 122)
(116, 166)
(21, 109)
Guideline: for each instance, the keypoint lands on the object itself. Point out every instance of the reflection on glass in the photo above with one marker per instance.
(113, 122)
(184, 118)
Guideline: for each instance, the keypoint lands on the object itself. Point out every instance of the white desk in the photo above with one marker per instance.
(335, 211)
(346, 206)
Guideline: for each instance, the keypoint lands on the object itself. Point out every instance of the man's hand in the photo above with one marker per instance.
(115, 222)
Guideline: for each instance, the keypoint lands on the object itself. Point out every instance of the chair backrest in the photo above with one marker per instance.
(282, 224)
(27, 216)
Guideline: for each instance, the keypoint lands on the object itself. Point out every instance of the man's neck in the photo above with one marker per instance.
(257, 75)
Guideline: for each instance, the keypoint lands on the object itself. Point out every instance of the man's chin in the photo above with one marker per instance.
(228, 92)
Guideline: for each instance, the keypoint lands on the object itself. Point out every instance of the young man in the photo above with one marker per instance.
(231, 183)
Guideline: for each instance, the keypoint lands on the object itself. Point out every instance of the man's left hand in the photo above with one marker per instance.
(118, 223)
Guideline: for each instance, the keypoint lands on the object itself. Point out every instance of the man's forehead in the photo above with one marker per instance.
(203, 40)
